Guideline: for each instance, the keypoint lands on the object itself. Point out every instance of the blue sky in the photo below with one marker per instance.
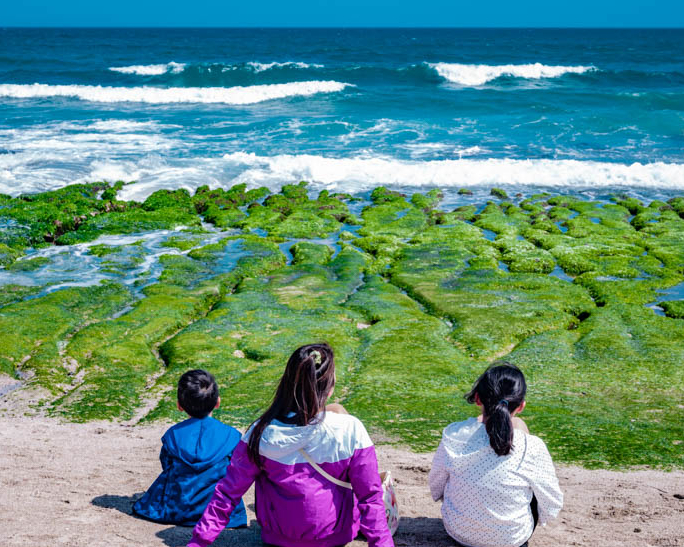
(336, 13)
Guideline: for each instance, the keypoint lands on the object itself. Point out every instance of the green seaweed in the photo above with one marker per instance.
(38, 326)
(28, 264)
(673, 308)
(14, 293)
(499, 193)
(416, 302)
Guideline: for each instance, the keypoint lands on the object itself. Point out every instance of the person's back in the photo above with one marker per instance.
(486, 497)
(495, 480)
(296, 504)
(340, 445)
(194, 456)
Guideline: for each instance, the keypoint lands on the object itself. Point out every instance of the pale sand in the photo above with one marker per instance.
(74, 484)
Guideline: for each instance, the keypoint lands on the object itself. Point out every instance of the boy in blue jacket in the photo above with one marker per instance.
(194, 457)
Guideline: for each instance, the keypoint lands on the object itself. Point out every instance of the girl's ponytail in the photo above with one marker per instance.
(302, 392)
(500, 429)
(501, 388)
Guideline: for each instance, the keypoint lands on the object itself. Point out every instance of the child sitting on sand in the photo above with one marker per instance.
(194, 456)
(300, 453)
(495, 479)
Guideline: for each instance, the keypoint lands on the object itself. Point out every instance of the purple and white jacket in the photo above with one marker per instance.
(295, 505)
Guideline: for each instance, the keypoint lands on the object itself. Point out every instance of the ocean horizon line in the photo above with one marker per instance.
(350, 27)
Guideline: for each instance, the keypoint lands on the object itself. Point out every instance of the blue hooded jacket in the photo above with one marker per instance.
(194, 456)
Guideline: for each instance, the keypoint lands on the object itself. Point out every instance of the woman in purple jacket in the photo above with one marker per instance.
(296, 505)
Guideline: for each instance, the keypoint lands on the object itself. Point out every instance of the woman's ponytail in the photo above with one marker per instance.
(501, 388)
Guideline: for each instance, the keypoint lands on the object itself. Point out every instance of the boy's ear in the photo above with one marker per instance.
(218, 403)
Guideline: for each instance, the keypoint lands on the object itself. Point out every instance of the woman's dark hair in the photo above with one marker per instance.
(198, 393)
(303, 390)
(501, 389)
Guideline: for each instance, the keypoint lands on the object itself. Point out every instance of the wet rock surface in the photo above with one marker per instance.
(109, 301)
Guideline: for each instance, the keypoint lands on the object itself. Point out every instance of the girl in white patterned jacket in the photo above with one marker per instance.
(495, 479)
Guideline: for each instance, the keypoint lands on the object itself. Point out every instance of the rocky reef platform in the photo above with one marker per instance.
(104, 303)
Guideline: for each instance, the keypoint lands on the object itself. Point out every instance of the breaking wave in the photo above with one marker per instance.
(474, 75)
(237, 95)
(150, 70)
(364, 173)
(178, 68)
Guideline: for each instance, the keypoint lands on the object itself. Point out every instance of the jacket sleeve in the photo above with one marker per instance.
(544, 482)
(164, 458)
(365, 480)
(438, 473)
(240, 475)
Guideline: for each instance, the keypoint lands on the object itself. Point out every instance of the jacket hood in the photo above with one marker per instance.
(279, 439)
(461, 434)
(200, 443)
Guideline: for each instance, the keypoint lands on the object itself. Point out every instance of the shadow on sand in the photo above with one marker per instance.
(123, 504)
(422, 531)
(412, 530)
(178, 536)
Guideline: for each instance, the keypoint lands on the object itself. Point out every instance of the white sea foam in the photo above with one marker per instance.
(51, 156)
(474, 75)
(363, 173)
(261, 67)
(150, 70)
(122, 126)
(227, 95)
(48, 156)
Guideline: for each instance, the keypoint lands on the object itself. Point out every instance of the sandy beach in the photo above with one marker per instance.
(66, 484)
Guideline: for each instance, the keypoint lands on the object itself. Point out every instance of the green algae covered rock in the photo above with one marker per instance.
(392, 215)
(408, 378)
(29, 264)
(673, 308)
(600, 394)
(133, 220)
(262, 321)
(179, 200)
(499, 193)
(14, 293)
(312, 253)
(427, 201)
(104, 250)
(40, 326)
(415, 300)
(8, 254)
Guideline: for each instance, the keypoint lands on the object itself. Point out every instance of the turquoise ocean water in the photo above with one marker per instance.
(577, 111)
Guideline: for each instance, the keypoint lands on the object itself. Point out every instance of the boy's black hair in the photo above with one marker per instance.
(198, 393)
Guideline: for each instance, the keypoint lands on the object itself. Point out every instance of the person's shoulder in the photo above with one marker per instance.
(179, 432)
(348, 426)
(217, 427)
(536, 447)
(181, 427)
(457, 430)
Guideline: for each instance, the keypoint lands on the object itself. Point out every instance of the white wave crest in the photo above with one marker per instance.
(261, 67)
(474, 75)
(227, 95)
(364, 173)
(150, 70)
(461, 172)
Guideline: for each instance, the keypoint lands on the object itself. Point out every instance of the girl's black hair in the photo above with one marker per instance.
(303, 391)
(501, 389)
